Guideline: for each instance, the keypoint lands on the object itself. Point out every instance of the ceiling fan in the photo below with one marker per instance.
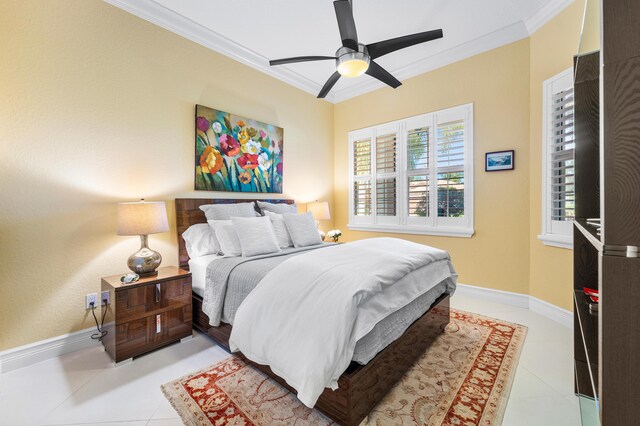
(354, 59)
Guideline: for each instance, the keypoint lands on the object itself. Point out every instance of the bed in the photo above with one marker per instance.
(374, 369)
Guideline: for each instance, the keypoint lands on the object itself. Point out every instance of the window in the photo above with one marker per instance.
(558, 197)
(414, 175)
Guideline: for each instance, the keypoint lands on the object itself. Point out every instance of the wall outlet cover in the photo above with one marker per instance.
(91, 298)
(106, 295)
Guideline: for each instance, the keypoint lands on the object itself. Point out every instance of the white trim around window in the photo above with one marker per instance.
(414, 176)
(555, 233)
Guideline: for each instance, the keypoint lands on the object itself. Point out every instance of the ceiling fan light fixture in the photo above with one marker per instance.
(354, 59)
(352, 64)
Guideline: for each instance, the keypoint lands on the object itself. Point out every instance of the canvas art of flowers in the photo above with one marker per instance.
(237, 154)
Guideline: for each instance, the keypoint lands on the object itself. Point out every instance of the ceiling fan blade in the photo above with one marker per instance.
(329, 84)
(376, 71)
(346, 24)
(383, 47)
(299, 59)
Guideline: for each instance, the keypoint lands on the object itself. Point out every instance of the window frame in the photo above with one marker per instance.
(402, 222)
(554, 233)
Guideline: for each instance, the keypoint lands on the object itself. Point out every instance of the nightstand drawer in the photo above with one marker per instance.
(176, 293)
(144, 334)
(141, 301)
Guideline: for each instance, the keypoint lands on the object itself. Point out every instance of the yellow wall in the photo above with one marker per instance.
(497, 82)
(97, 107)
(552, 50)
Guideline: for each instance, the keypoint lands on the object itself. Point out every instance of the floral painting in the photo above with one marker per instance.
(237, 154)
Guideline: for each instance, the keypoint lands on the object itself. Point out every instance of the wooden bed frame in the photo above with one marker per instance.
(361, 387)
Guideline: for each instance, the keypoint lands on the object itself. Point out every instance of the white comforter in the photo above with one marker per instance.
(305, 317)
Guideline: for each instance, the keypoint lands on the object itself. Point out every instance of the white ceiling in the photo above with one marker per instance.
(254, 31)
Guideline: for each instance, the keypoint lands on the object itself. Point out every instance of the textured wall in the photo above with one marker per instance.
(552, 50)
(497, 82)
(97, 107)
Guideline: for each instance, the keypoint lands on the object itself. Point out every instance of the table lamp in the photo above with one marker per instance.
(320, 211)
(143, 218)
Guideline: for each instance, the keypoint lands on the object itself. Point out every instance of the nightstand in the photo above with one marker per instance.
(147, 314)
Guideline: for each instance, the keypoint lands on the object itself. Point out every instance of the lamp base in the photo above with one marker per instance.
(145, 261)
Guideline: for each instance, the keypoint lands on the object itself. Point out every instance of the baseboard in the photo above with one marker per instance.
(553, 312)
(493, 295)
(45, 349)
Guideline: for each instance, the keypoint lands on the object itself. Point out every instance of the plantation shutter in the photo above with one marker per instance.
(414, 175)
(562, 195)
(362, 158)
(362, 177)
(418, 172)
(386, 168)
(450, 168)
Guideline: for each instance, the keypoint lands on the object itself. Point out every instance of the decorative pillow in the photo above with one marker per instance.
(227, 211)
(226, 235)
(256, 235)
(200, 240)
(281, 208)
(279, 227)
(302, 229)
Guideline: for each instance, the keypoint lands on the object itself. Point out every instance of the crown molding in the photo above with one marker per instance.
(482, 44)
(545, 14)
(170, 20)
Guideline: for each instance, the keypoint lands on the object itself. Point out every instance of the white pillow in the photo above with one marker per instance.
(256, 235)
(200, 240)
(227, 211)
(279, 227)
(226, 235)
(280, 208)
(302, 229)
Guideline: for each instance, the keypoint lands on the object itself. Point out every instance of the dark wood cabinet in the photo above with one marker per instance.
(147, 314)
(607, 186)
(586, 241)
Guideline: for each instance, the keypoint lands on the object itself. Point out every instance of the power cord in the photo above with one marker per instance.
(101, 333)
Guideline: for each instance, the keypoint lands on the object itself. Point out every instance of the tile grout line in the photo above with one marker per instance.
(98, 372)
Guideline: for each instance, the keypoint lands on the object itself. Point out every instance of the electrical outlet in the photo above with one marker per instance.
(91, 298)
(105, 296)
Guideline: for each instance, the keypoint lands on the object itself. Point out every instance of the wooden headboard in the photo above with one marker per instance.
(188, 213)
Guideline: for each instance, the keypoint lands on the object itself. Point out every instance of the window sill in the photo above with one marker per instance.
(417, 230)
(557, 240)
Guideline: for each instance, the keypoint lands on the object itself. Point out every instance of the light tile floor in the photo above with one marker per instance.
(84, 387)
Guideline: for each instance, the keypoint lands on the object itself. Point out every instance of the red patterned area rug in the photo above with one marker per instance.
(464, 378)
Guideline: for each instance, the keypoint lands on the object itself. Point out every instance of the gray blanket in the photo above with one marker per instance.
(241, 274)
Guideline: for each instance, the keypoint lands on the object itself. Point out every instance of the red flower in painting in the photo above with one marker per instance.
(279, 168)
(248, 161)
(229, 145)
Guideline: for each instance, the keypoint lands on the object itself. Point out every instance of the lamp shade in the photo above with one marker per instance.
(319, 210)
(142, 218)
